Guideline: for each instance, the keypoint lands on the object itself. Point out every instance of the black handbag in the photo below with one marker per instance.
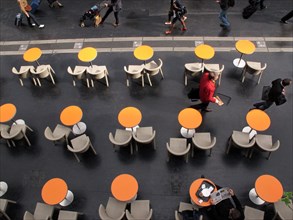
(281, 99)
(265, 93)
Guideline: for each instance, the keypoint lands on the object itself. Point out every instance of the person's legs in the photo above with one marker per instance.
(223, 18)
(287, 17)
(172, 23)
(116, 18)
(261, 4)
(32, 17)
(110, 9)
(263, 105)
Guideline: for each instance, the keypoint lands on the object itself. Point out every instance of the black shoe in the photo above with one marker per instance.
(207, 110)
(202, 176)
(263, 7)
(284, 22)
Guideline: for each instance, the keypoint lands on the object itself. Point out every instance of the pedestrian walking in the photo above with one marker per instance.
(171, 14)
(179, 10)
(26, 10)
(275, 95)
(224, 5)
(114, 6)
(207, 87)
(286, 17)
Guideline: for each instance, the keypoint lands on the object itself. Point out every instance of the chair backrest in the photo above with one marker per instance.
(194, 67)
(115, 208)
(79, 144)
(15, 133)
(254, 68)
(50, 136)
(144, 134)
(122, 137)
(98, 72)
(153, 68)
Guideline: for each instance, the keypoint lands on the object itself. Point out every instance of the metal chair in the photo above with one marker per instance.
(98, 72)
(178, 147)
(16, 132)
(144, 135)
(134, 72)
(240, 140)
(265, 143)
(42, 211)
(203, 141)
(121, 138)
(139, 210)
(115, 210)
(192, 69)
(80, 144)
(43, 71)
(152, 69)
(77, 73)
(23, 73)
(68, 215)
(60, 133)
(253, 214)
(253, 68)
(3, 206)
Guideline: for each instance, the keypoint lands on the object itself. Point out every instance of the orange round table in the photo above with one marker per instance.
(87, 54)
(204, 52)
(55, 191)
(143, 52)
(7, 112)
(267, 189)
(129, 117)
(243, 47)
(189, 119)
(193, 190)
(124, 188)
(258, 120)
(32, 55)
(72, 115)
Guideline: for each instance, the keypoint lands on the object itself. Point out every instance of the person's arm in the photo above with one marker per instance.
(22, 8)
(237, 203)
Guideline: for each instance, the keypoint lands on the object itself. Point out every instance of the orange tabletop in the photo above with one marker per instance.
(129, 117)
(189, 118)
(71, 115)
(245, 46)
(32, 54)
(54, 191)
(204, 51)
(194, 188)
(258, 120)
(143, 52)
(124, 187)
(269, 188)
(87, 54)
(7, 112)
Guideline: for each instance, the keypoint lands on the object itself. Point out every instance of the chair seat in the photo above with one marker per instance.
(79, 70)
(67, 215)
(193, 67)
(212, 67)
(253, 214)
(95, 70)
(151, 65)
(80, 142)
(283, 211)
(61, 130)
(264, 141)
(140, 209)
(202, 140)
(43, 211)
(178, 145)
(122, 135)
(254, 65)
(135, 68)
(241, 139)
(144, 133)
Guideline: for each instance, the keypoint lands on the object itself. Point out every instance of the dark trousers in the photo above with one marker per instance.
(31, 19)
(202, 106)
(263, 105)
(178, 16)
(287, 16)
(110, 9)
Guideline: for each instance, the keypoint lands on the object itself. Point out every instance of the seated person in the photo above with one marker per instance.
(227, 209)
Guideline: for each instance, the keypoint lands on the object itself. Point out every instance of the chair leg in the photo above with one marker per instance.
(20, 80)
(39, 82)
(162, 73)
(136, 146)
(34, 80)
(127, 81)
(13, 143)
(142, 80)
(251, 152)
(106, 78)
(210, 152)
(87, 83)
(8, 144)
(269, 156)
(92, 83)
(186, 157)
(78, 160)
(168, 156)
(52, 78)
(93, 148)
(73, 81)
(185, 79)
(243, 74)
(29, 128)
(27, 140)
(148, 76)
(260, 75)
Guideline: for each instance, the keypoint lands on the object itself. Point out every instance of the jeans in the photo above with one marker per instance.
(223, 18)
(263, 105)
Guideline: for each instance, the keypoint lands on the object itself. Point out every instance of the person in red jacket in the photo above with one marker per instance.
(207, 87)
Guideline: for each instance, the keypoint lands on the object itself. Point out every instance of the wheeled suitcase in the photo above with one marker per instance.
(248, 11)
(18, 20)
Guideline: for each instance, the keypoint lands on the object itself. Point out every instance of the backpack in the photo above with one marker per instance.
(231, 3)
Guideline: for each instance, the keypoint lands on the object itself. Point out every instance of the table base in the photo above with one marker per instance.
(3, 188)
(249, 130)
(240, 63)
(133, 129)
(255, 198)
(68, 199)
(187, 133)
(79, 128)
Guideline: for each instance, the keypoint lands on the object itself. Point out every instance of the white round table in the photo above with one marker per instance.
(68, 199)
(79, 128)
(240, 63)
(187, 133)
(255, 198)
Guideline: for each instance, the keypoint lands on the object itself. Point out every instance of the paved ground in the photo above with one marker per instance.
(165, 184)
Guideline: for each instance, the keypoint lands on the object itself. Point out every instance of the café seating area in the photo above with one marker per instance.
(157, 135)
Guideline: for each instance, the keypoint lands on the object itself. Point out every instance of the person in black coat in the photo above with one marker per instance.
(179, 10)
(115, 6)
(229, 208)
(276, 93)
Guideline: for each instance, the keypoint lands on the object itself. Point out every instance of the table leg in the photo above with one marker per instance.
(255, 198)
(187, 133)
(68, 199)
